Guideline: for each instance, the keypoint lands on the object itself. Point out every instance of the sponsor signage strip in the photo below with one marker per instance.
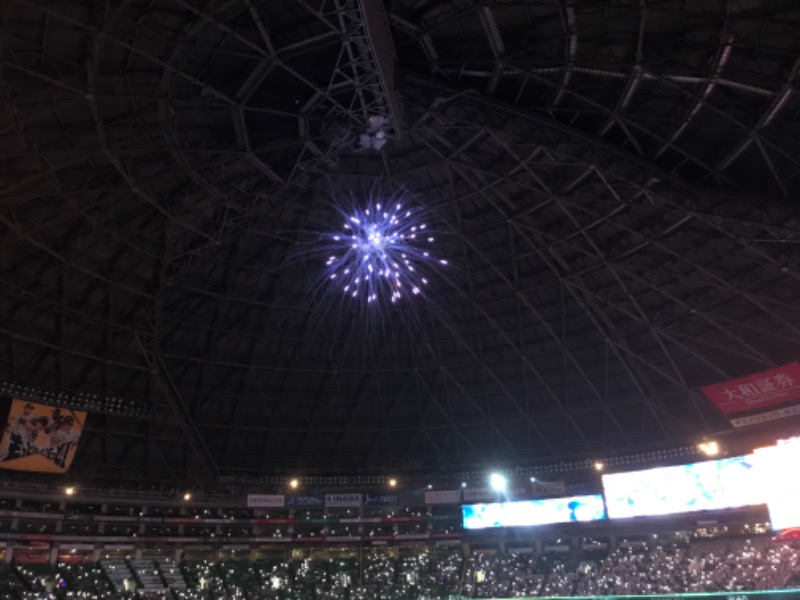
(265, 500)
(344, 500)
(381, 499)
(548, 488)
(306, 501)
(772, 415)
(443, 497)
(479, 495)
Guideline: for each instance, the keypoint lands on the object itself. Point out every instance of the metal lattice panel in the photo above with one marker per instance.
(613, 186)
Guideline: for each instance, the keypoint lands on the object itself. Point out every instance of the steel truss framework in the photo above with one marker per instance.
(615, 186)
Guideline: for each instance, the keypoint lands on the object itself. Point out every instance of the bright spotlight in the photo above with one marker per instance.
(69, 491)
(709, 448)
(497, 482)
(393, 482)
(463, 484)
(187, 496)
(599, 466)
(294, 483)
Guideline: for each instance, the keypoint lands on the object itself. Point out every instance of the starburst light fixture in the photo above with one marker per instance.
(383, 252)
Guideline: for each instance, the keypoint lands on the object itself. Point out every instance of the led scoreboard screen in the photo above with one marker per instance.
(528, 513)
(779, 477)
(768, 476)
(709, 485)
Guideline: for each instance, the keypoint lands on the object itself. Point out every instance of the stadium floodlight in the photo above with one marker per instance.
(709, 448)
(599, 465)
(85, 401)
(498, 482)
(294, 483)
(393, 482)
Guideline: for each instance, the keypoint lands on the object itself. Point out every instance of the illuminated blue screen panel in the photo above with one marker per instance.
(527, 513)
(710, 485)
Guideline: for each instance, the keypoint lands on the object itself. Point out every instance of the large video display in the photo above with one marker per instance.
(527, 513)
(779, 478)
(710, 485)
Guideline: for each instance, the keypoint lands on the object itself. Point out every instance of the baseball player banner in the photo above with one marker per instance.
(40, 438)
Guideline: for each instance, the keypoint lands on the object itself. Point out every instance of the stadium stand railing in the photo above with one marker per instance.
(119, 574)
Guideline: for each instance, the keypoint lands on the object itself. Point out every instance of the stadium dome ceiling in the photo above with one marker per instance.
(613, 186)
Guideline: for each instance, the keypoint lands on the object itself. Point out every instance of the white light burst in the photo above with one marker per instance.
(383, 253)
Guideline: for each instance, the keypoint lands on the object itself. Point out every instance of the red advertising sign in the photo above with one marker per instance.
(756, 391)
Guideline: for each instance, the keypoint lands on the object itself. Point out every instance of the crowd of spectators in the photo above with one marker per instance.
(634, 570)
(426, 574)
(678, 569)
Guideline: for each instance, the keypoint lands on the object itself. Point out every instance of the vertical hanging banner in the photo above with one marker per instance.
(755, 398)
(40, 438)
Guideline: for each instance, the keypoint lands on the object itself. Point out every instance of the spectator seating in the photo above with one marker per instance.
(422, 574)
